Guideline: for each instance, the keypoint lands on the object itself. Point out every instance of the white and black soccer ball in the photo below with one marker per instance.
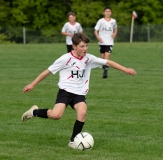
(83, 141)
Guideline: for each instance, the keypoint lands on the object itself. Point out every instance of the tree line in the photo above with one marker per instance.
(48, 16)
(51, 14)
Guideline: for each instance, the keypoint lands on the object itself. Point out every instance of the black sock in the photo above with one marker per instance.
(77, 129)
(105, 67)
(40, 113)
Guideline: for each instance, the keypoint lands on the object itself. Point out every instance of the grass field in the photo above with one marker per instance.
(125, 113)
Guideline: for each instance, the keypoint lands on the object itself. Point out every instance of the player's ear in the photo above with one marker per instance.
(73, 46)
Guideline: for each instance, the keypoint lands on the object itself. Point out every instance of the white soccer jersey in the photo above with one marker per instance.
(71, 29)
(105, 30)
(74, 72)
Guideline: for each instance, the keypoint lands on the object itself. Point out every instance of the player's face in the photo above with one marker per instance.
(81, 49)
(71, 18)
(107, 13)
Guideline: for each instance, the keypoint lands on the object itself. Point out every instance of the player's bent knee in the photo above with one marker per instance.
(54, 116)
(82, 115)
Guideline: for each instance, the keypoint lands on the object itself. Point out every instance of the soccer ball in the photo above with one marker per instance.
(83, 141)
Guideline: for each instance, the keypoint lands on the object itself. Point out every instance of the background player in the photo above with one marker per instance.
(70, 28)
(105, 32)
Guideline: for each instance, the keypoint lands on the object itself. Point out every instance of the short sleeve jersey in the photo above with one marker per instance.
(74, 73)
(105, 29)
(71, 29)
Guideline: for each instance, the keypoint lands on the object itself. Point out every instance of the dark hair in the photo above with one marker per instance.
(80, 37)
(71, 13)
(107, 7)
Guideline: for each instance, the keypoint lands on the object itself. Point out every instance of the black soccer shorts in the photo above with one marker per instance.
(69, 48)
(106, 48)
(69, 98)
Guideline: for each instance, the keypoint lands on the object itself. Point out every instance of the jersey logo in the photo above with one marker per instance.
(73, 63)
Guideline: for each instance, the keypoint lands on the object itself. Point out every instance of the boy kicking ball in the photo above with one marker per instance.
(74, 71)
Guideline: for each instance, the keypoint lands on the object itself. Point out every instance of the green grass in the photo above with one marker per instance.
(125, 114)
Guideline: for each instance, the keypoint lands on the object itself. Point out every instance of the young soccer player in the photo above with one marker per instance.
(74, 70)
(105, 32)
(70, 28)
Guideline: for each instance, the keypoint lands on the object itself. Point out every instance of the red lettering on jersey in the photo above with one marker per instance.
(86, 81)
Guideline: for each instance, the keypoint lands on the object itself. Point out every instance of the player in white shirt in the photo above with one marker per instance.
(74, 71)
(70, 28)
(105, 32)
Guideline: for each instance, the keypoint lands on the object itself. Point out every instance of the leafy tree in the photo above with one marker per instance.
(40, 14)
(148, 11)
(48, 17)
(4, 12)
(88, 11)
(48, 14)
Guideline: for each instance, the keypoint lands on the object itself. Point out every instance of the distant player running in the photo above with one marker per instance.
(105, 32)
(74, 71)
(70, 28)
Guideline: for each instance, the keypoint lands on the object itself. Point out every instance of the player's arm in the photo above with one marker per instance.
(97, 36)
(31, 86)
(64, 31)
(120, 67)
(66, 34)
(114, 33)
(80, 29)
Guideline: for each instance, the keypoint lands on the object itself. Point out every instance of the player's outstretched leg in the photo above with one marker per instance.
(29, 114)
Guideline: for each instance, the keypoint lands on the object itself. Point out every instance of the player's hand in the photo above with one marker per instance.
(70, 35)
(113, 35)
(28, 88)
(100, 40)
(130, 71)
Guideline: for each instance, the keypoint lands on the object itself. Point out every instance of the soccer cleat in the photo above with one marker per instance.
(71, 145)
(105, 76)
(29, 114)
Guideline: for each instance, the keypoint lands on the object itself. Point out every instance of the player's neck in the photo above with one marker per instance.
(74, 53)
(107, 18)
(72, 23)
